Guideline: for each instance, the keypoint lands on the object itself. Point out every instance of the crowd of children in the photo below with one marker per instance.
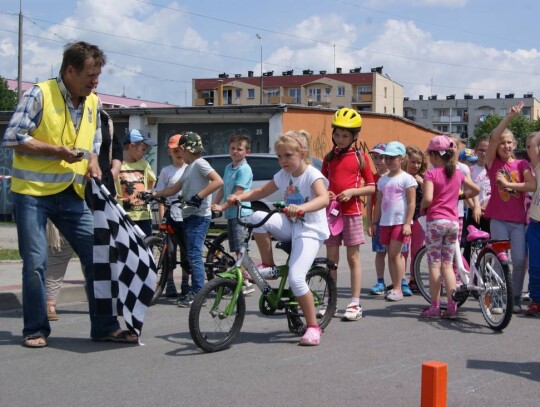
(406, 184)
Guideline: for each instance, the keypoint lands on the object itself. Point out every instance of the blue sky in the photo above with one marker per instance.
(156, 47)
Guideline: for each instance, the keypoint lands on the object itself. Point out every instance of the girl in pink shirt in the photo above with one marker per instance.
(441, 191)
(510, 181)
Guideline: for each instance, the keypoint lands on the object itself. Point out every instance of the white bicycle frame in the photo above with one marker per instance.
(464, 273)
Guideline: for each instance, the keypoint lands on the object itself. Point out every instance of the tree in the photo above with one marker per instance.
(8, 97)
(520, 127)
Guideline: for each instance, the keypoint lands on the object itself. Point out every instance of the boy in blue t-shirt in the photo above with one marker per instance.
(237, 179)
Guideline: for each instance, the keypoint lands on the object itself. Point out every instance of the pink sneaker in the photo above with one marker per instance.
(431, 312)
(312, 337)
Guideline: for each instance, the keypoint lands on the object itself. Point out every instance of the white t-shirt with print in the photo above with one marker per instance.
(394, 197)
(297, 190)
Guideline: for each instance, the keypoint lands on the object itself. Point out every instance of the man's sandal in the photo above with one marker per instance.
(35, 341)
(121, 337)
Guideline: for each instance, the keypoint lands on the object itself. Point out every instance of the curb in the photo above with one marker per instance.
(72, 291)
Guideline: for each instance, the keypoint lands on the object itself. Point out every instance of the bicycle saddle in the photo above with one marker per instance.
(475, 234)
(285, 246)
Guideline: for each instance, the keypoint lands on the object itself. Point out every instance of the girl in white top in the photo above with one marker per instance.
(304, 188)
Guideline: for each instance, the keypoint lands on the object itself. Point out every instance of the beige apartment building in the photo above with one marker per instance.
(365, 91)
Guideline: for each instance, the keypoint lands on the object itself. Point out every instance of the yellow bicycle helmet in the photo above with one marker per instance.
(347, 118)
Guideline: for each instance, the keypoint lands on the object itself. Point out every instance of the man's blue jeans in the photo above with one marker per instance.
(75, 221)
(195, 229)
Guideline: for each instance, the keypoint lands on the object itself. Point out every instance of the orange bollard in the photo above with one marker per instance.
(434, 381)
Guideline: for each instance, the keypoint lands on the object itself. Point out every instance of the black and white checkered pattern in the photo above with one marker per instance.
(125, 271)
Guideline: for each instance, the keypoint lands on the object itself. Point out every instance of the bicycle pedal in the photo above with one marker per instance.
(460, 295)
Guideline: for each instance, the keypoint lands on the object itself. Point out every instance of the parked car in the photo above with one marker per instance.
(264, 166)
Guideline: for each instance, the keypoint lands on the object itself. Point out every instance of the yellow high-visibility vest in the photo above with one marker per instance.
(40, 175)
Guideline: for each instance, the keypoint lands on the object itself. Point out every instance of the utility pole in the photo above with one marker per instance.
(259, 36)
(19, 65)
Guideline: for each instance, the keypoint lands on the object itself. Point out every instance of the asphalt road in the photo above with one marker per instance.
(372, 362)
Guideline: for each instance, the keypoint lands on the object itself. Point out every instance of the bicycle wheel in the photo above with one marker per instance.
(218, 258)
(210, 328)
(324, 290)
(158, 246)
(496, 299)
(421, 273)
(421, 276)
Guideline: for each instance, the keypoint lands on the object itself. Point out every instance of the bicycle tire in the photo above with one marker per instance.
(324, 290)
(210, 330)
(158, 246)
(496, 295)
(421, 276)
(218, 259)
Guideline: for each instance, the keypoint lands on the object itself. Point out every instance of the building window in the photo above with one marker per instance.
(341, 91)
(327, 91)
(362, 89)
(424, 113)
(208, 96)
(314, 94)
(385, 92)
(251, 94)
(296, 94)
(238, 93)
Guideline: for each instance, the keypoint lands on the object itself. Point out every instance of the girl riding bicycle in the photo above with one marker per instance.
(304, 190)
(441, 191)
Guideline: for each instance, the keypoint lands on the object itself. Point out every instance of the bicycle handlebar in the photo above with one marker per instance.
(148, 197)
(280, 207)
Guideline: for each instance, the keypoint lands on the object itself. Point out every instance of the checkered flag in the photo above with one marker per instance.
(125, 271)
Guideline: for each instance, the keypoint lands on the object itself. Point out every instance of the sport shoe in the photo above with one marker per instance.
(187, 301)
(353, 312)
(431, 312)
(394, 296)
(377, 289)
(248, 288)
(312, 337)
(525, 297)
(533, 310)
(170, 290)
(183, 295)
(321, 312)
(414, 287)
(268, 272)
(516, 309)
(496, 311)
(405, 289)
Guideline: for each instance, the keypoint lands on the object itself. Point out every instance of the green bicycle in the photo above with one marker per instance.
(218, 310)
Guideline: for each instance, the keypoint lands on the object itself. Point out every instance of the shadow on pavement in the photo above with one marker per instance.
(527, 370)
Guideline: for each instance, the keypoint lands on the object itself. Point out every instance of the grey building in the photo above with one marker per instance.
(461, 116)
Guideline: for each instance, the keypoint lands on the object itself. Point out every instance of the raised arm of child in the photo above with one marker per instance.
(498, 131)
